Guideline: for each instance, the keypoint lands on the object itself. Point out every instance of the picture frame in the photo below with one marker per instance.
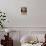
(24, 10)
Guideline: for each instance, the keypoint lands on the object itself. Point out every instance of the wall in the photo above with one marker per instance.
(36, 16)
(35, 19)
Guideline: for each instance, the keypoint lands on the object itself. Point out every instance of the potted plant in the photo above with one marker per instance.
(2, 19)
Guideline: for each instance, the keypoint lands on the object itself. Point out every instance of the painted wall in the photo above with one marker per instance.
(34, 21)
(36, 15)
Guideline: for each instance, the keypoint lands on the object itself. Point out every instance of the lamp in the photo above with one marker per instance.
(7, 31)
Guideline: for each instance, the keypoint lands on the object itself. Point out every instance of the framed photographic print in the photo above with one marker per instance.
(24, 10)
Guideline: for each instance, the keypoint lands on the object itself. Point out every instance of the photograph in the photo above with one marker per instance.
(24, 10)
